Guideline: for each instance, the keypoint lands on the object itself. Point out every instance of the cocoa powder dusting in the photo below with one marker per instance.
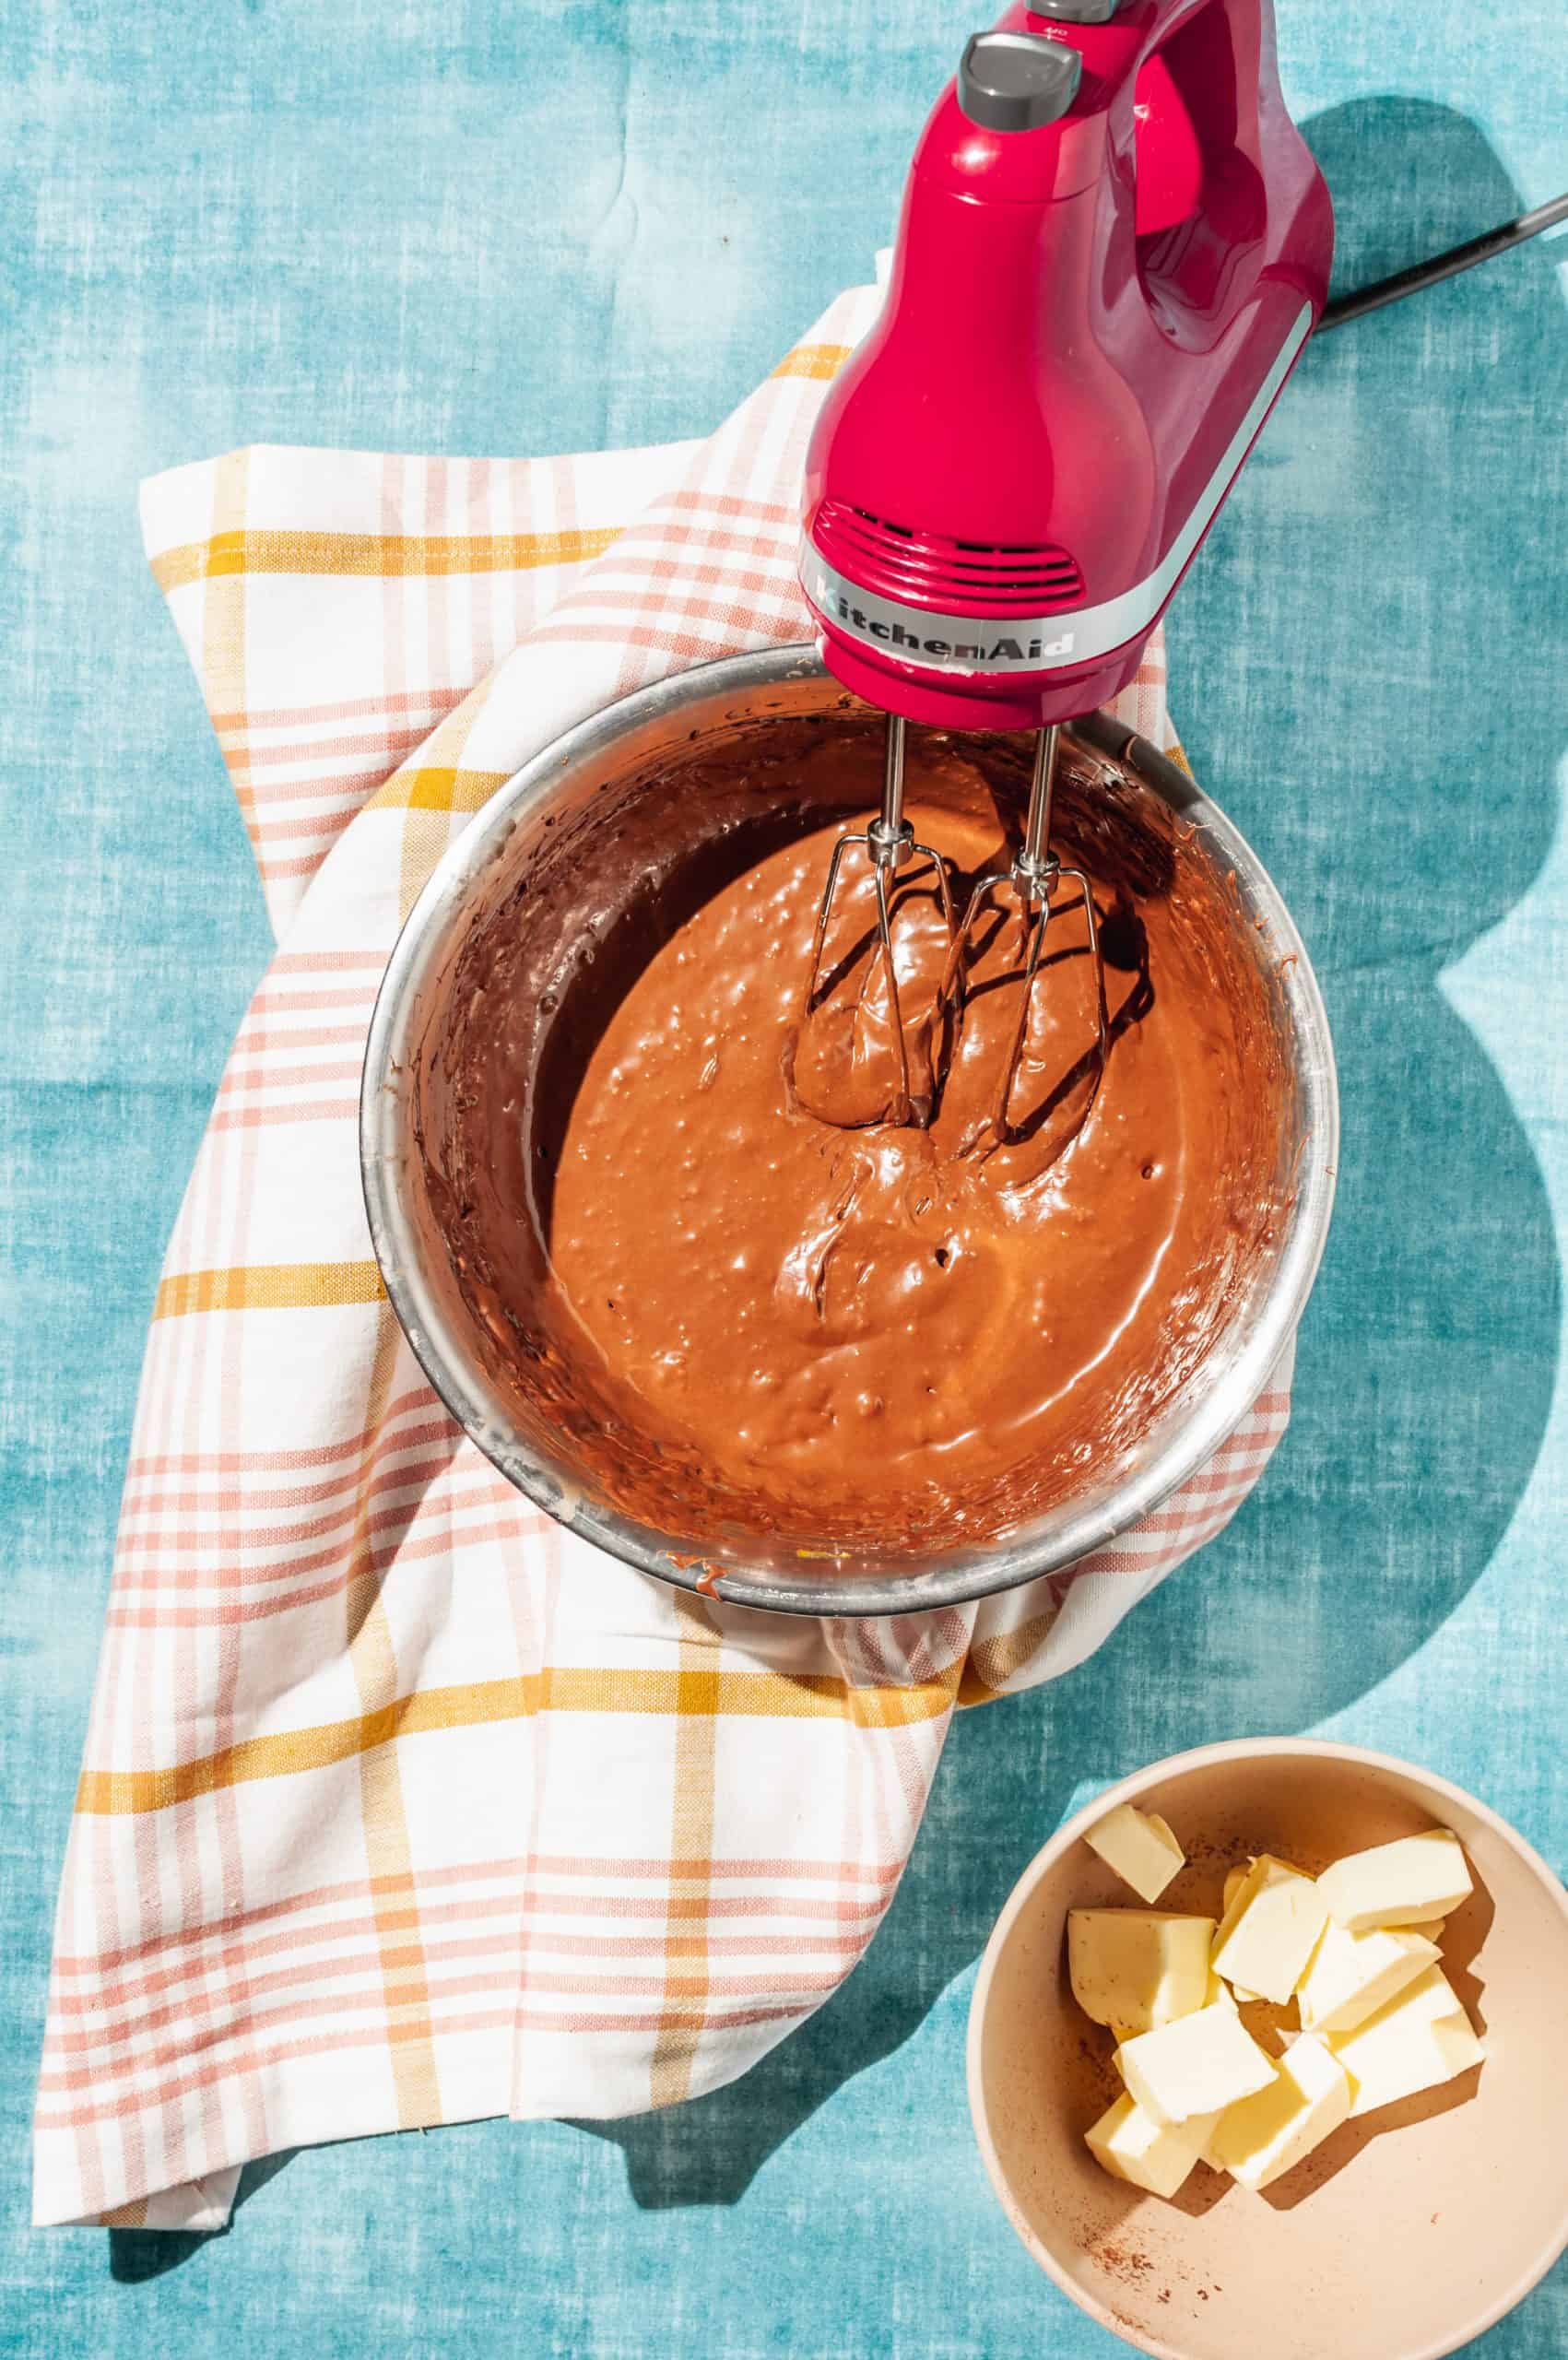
(1121, 2261)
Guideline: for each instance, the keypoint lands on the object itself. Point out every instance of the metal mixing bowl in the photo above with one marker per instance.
(613, 751)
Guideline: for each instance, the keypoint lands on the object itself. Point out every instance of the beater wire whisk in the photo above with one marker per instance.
(891, 844)
(1034, 875)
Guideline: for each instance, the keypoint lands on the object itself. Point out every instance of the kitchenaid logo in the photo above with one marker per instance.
(949, 642)
(960, 651)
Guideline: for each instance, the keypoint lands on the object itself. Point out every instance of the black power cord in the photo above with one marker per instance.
(1421, 275)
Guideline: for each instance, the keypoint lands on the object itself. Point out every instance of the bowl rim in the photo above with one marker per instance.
(1127, 1789)
(1065, 1534)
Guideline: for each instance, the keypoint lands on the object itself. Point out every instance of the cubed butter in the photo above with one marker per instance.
(1132, 2146)
(1197, 2065)
(1233, 1883)
(1397, 1884)
(1270, 1930)
(1419, 2038)
(1140, 1848)
(1138, 1967)
(1261, 2137)
(1351, 1976)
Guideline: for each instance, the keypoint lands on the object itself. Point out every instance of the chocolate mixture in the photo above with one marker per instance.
(757, 1308)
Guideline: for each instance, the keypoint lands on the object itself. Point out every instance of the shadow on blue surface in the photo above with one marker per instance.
(1427, 1371)
(136, 2255)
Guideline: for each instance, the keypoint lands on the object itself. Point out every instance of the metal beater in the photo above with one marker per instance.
(1034, 875)
(891, 845)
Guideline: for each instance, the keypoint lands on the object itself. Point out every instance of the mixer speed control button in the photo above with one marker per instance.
(1018, 81)
(1076, 12)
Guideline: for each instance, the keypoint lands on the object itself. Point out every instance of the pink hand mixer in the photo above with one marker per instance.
(1113, 246)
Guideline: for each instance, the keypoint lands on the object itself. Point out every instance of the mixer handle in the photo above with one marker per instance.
(1011, 80)
(1166, 98)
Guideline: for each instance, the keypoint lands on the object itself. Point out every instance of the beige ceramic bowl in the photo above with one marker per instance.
(1409, 2232)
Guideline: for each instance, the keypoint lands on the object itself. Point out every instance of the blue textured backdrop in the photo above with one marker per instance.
(463, 226)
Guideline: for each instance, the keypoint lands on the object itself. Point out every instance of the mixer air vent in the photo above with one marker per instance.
(942, 575)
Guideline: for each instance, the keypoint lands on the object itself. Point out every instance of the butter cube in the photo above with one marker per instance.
(1397, 1884)
(1140, 1848)
(1351, 1976)
(1137, 1968)
(1418, 2039)
(1263, 2136)
(1233, 1883)
(1197, 2065)
(1131, 2145)
(1270, 1931)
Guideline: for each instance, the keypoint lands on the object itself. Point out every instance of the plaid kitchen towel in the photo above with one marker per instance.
(400, 1804)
